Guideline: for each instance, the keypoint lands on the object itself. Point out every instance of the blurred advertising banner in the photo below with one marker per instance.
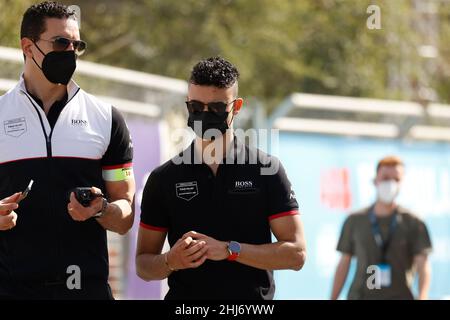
(122, 250)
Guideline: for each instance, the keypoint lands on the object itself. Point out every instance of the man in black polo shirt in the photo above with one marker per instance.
(218, 205)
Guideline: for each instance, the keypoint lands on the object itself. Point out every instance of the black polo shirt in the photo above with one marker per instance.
(236, 204)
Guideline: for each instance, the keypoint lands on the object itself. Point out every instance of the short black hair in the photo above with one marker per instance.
(33, 22)
(214, 71)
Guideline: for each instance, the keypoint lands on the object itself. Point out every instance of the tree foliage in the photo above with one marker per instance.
(280, 47)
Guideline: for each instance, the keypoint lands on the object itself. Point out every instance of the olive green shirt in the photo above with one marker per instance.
(409, 238)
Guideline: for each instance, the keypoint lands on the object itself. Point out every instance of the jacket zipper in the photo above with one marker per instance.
(48, 144)
(48, 138)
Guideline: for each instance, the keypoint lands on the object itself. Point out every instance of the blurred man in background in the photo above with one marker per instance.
(59, 136)
(388, 241)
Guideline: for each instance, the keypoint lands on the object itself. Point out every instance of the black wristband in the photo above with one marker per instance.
(102, 211)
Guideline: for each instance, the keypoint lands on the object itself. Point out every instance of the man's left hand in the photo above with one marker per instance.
(80, 213)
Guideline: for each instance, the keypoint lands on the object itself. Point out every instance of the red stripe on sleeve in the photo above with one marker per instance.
(149, 227)
(283, 214)
(119, 166)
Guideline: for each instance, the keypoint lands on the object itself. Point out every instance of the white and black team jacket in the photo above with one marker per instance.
(78, 141)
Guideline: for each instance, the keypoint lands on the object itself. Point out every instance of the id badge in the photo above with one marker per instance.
(385, 275)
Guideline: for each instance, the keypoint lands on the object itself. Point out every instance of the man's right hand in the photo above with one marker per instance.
(8, 217)
(187, 253)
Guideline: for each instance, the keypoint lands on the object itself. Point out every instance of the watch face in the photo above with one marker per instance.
(234, 247)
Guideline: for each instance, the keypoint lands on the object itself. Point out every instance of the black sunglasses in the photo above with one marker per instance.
(61, 44)
(195, 106)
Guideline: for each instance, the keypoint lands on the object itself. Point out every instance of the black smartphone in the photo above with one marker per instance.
(84, 195)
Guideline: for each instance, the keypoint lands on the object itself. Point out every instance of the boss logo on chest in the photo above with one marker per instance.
(244, 186)
(79, 123)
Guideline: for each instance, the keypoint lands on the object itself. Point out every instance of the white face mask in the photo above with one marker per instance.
(387, 191)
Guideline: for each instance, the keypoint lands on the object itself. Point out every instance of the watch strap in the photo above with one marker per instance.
(232, 255)
(102, 211)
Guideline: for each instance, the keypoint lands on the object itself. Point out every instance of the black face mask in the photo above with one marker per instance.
(208, 120)
(58, 66)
